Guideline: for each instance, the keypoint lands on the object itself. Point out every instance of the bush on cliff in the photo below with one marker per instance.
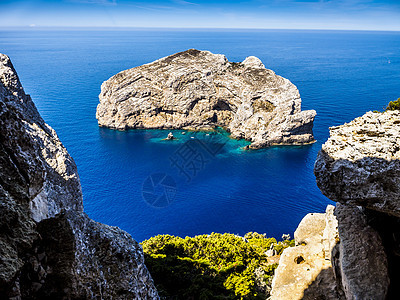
(394, 105)
(217, 266)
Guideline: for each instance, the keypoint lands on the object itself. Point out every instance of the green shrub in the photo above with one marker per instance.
(217, 266)
(279, 247)
(393, 105)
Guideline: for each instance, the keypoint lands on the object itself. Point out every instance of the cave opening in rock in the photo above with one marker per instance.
(222, 105)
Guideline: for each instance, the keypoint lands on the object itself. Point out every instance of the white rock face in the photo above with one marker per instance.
(337, 256)
(253, 62)
(305, 271)
(359, 167)
(359, 164)
(200, 90)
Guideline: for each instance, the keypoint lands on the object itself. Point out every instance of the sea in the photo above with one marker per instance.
(201, 182)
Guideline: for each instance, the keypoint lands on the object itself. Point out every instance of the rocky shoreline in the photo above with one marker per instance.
(198, 90)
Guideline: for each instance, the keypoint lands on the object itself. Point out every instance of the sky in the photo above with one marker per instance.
(263, 14)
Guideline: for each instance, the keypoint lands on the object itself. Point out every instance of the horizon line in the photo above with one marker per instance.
(32, 27)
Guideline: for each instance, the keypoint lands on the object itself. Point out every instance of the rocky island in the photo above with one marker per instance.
(199, 90)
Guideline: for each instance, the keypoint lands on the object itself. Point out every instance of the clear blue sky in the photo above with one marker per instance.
(299, 14)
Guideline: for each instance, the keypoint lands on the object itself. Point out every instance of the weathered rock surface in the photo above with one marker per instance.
(337, 256)
(362, 264)
(32, 150)
(49, 248)
(359, 164)
(200, 90)
(92, 260)
(305, 271)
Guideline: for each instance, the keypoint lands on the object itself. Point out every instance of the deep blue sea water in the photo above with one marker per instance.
(339, 74)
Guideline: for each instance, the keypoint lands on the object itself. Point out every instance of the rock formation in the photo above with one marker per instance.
(309, 261)
(198, 90)
(359, 164)
(359, 168)
(361, 262)
(49, 248)
(337, 256)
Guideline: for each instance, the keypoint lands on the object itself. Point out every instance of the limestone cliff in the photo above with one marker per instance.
(360, 163)
(359, 168)
(200, 90)
(338, 255)
(309, 261)
(49, 248)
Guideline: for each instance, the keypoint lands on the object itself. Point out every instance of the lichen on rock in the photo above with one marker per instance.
(199, 90)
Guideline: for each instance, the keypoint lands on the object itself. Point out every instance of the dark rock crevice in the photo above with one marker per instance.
(388, 228)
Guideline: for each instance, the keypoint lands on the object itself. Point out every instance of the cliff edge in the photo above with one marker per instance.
(359, 168)
(198, 90)
(49, 248)
(360, 163)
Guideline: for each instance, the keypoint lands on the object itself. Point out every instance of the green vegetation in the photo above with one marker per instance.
(393, 105)
(215, 266)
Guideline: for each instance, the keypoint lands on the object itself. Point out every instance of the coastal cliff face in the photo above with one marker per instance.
(49, 248)
(198, 90)
(359, 164)
(359, 168)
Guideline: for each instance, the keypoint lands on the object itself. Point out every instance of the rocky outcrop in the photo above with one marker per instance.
(359, 164)
(361, 263)
(305, 271)
(359, 168)
(32, 151)
(199, 90)
(337, 256)
(49, 248)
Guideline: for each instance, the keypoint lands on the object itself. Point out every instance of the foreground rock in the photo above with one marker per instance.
(361, 265)
(337, 256)
(49, 248)
(359, 164)
(305, 271)
(200, 90)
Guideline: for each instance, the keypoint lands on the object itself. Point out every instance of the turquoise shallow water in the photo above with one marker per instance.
(339, 74)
